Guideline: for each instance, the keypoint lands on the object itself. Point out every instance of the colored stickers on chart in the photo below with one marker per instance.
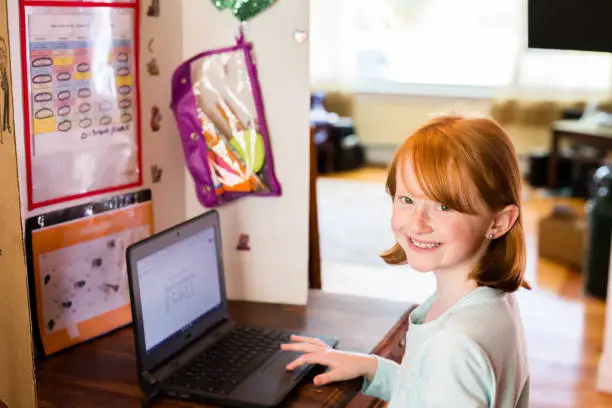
(67, 100)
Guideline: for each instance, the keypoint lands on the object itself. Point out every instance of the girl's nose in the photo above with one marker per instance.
(419, 222)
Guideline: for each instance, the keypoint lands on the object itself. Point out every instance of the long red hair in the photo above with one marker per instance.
(465, 163)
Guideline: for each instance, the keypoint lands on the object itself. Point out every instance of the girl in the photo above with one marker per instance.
(456, 193)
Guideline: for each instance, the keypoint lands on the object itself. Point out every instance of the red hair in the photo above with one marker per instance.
(467, 163)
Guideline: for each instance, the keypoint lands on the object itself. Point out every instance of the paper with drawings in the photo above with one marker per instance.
(79, 272)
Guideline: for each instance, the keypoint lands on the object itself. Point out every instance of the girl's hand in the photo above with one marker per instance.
(343, 365)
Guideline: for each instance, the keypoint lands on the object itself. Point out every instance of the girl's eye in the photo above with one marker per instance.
(405, 200)
(443, 207)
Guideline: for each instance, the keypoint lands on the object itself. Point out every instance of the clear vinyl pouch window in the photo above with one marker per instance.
(80, 73)
(219, 110)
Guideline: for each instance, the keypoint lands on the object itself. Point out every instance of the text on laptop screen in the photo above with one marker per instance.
(178, 284)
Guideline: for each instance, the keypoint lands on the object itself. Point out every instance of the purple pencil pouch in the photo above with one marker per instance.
(219, 111)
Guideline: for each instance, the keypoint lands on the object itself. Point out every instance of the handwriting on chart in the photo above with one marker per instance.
(107, 131)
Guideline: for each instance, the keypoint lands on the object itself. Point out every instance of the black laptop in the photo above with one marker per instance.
(186, 344)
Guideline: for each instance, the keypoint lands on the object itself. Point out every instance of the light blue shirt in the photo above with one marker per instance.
(473, 356)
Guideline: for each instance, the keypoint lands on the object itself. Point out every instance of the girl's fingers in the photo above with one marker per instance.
(324, 378)
(301, 347)
(310, 340)
(311, 358)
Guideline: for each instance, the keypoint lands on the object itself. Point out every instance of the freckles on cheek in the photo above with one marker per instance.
(397, 220)
(468, 235)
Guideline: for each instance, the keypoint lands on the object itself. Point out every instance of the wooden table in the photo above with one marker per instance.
(102, 373)
(596, 136)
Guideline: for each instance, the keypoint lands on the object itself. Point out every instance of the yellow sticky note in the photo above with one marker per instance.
(63, 60)
(44, 125)
(80, 76)
(124, 80)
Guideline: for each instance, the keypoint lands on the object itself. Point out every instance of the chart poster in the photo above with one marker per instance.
(78, 268)
(81, 82)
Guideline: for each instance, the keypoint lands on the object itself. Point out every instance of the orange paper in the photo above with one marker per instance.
(80, 274)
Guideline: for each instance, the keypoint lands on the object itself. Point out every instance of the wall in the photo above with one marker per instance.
(162, 148)
(383, 121)
(276, 268)
(16, 365)
(158, 148)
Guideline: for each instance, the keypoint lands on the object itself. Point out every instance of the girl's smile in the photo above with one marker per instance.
(423, 246)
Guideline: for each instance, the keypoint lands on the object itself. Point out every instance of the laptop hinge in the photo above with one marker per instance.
(147, 376)
(152, 390)
(148, 398)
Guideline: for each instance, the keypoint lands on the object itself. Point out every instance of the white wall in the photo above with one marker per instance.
(160, 148)
(276, 268)
(383, 121)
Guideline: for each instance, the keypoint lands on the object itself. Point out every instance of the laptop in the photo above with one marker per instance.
(187, 346)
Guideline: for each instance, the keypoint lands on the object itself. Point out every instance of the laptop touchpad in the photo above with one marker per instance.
(277, 366)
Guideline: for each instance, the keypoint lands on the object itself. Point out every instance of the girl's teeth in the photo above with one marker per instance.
(423, 245)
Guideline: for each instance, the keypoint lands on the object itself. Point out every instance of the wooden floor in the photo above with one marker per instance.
(564, 328)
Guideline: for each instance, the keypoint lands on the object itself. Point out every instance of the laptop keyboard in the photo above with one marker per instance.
(224, 365)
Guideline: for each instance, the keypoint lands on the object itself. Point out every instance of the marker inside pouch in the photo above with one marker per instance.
(42, 79)
(42, 62)
(63, 110)
(125, 103)
(124, 90)
(85, 123)
(84, 93)
(64, 76)
(83, 67)
(62, 96)
(105, 120)
(43, 113)
(64, 126)
(43, 97)
(84, 107)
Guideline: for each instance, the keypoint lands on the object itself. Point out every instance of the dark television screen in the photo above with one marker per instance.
(580, 25)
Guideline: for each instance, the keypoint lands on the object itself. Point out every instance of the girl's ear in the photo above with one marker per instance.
(503, 221)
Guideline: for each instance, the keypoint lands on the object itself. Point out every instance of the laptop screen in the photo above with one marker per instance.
(179, 284)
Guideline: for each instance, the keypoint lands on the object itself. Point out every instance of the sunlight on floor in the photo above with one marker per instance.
(388, 282)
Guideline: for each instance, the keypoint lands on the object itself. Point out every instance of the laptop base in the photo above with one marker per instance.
(265, 385)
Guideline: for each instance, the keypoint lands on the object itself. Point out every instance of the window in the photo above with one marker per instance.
(387, 44)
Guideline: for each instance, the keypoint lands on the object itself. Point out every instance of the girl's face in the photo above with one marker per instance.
(435, 237)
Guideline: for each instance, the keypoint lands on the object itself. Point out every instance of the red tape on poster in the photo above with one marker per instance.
(81, 98)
